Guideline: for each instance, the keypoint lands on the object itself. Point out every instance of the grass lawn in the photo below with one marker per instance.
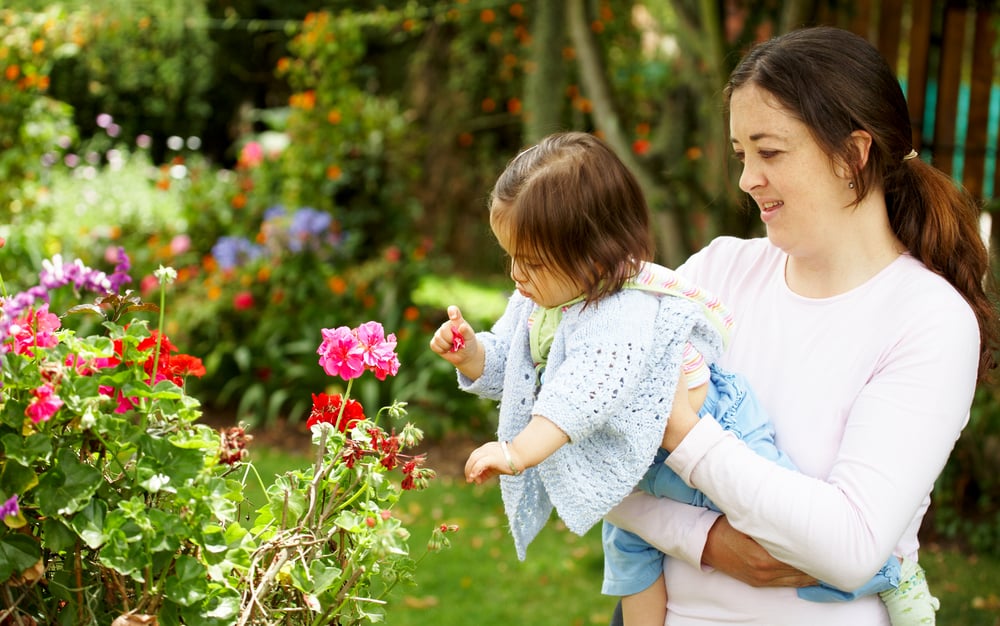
(479, 579)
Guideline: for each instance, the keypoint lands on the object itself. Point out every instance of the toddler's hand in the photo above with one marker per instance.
(485, 462)
(455, 341)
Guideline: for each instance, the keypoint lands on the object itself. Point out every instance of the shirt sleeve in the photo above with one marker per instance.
(678, 530)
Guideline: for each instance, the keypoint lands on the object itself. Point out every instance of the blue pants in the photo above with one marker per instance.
(631, 564)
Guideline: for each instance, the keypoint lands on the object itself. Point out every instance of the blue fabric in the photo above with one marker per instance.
(631, 564)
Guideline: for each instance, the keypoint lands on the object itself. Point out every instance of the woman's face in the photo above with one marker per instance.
(543, 285)
(801, 198)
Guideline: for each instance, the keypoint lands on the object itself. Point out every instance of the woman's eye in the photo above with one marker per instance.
(767, 154)
(739, 156)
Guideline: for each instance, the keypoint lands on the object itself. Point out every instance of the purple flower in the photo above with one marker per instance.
(10, 507)
(230, 252)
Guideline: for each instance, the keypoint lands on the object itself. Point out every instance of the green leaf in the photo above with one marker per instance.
(322, 576)
(67, 486)
(16, 478)
(27, 450)
(126, 553)
(189, 584)
(56, 536)
(89, 523)
(18, 552)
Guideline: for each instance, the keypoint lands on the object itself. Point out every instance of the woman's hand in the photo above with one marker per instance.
(456, 342)
(739, 556)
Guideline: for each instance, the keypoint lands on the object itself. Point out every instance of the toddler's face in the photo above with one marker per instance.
(545, 286)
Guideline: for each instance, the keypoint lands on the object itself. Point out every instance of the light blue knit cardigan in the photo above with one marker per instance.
(609, 385)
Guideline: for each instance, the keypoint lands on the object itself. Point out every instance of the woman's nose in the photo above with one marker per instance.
(750, 178)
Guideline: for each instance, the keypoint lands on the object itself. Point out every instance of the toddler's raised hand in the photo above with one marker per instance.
(455, 342)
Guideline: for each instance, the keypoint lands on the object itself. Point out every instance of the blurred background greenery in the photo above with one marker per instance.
(307, 164)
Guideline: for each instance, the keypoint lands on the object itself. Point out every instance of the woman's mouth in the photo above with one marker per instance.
(768, 209)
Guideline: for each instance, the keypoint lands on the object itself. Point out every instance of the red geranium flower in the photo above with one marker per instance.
(327, 409)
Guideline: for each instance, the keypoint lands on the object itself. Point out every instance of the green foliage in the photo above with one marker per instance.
(162, 89)
(341, 133)
(967, 494)
(30, 44)
(117, 506)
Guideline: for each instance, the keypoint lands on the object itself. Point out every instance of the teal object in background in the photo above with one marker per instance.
(961, 128)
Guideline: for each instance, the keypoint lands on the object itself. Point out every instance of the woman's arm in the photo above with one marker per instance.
(897, 438)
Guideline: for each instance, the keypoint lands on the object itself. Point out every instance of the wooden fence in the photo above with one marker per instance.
(946, 55)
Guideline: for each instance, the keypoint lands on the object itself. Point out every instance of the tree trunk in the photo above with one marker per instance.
(544, 76)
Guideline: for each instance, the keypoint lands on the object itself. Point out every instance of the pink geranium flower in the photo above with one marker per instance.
(36, 328)
(379, 350)
(341, 354)
(45, 404)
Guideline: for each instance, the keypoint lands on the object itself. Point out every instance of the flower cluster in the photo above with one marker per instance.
(56, 274)
(348, 353)
(305, 229)
(332, 409)
(233, 446)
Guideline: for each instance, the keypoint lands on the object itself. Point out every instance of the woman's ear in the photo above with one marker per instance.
(859, 143)
(862, 142)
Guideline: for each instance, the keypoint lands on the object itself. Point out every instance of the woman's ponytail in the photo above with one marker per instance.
(939, 223)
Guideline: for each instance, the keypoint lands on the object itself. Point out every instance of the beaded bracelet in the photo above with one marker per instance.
(510, 461)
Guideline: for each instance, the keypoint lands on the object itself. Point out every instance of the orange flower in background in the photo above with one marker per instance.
(239, 200)
(496, 37)
(334, 172)
(517, 10)
(337, 285)
(641, 146)
(333, 116)
(514, 106)
(38, 46)
(465, 139)
(488, 105)
(411, 313)
(642, 129)
(597, 26)
(12, 72)
(487, 16)
(693, 153)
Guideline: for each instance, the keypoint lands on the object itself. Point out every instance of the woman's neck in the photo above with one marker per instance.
(855, 254)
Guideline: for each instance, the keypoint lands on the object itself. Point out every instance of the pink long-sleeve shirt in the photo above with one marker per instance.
(868, 391)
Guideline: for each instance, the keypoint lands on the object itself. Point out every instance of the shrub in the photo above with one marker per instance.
(118, 507)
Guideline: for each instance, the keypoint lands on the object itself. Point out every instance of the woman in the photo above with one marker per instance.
(862, 323)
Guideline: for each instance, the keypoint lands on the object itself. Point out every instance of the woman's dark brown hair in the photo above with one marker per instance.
(571, 205)
(836, 82)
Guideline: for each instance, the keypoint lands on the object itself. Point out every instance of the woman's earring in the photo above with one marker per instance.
(850, 185)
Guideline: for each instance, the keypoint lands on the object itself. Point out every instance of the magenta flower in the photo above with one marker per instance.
(379, 350)
(45, 404)
(341, 354)
(10, 507)
(36, 328)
